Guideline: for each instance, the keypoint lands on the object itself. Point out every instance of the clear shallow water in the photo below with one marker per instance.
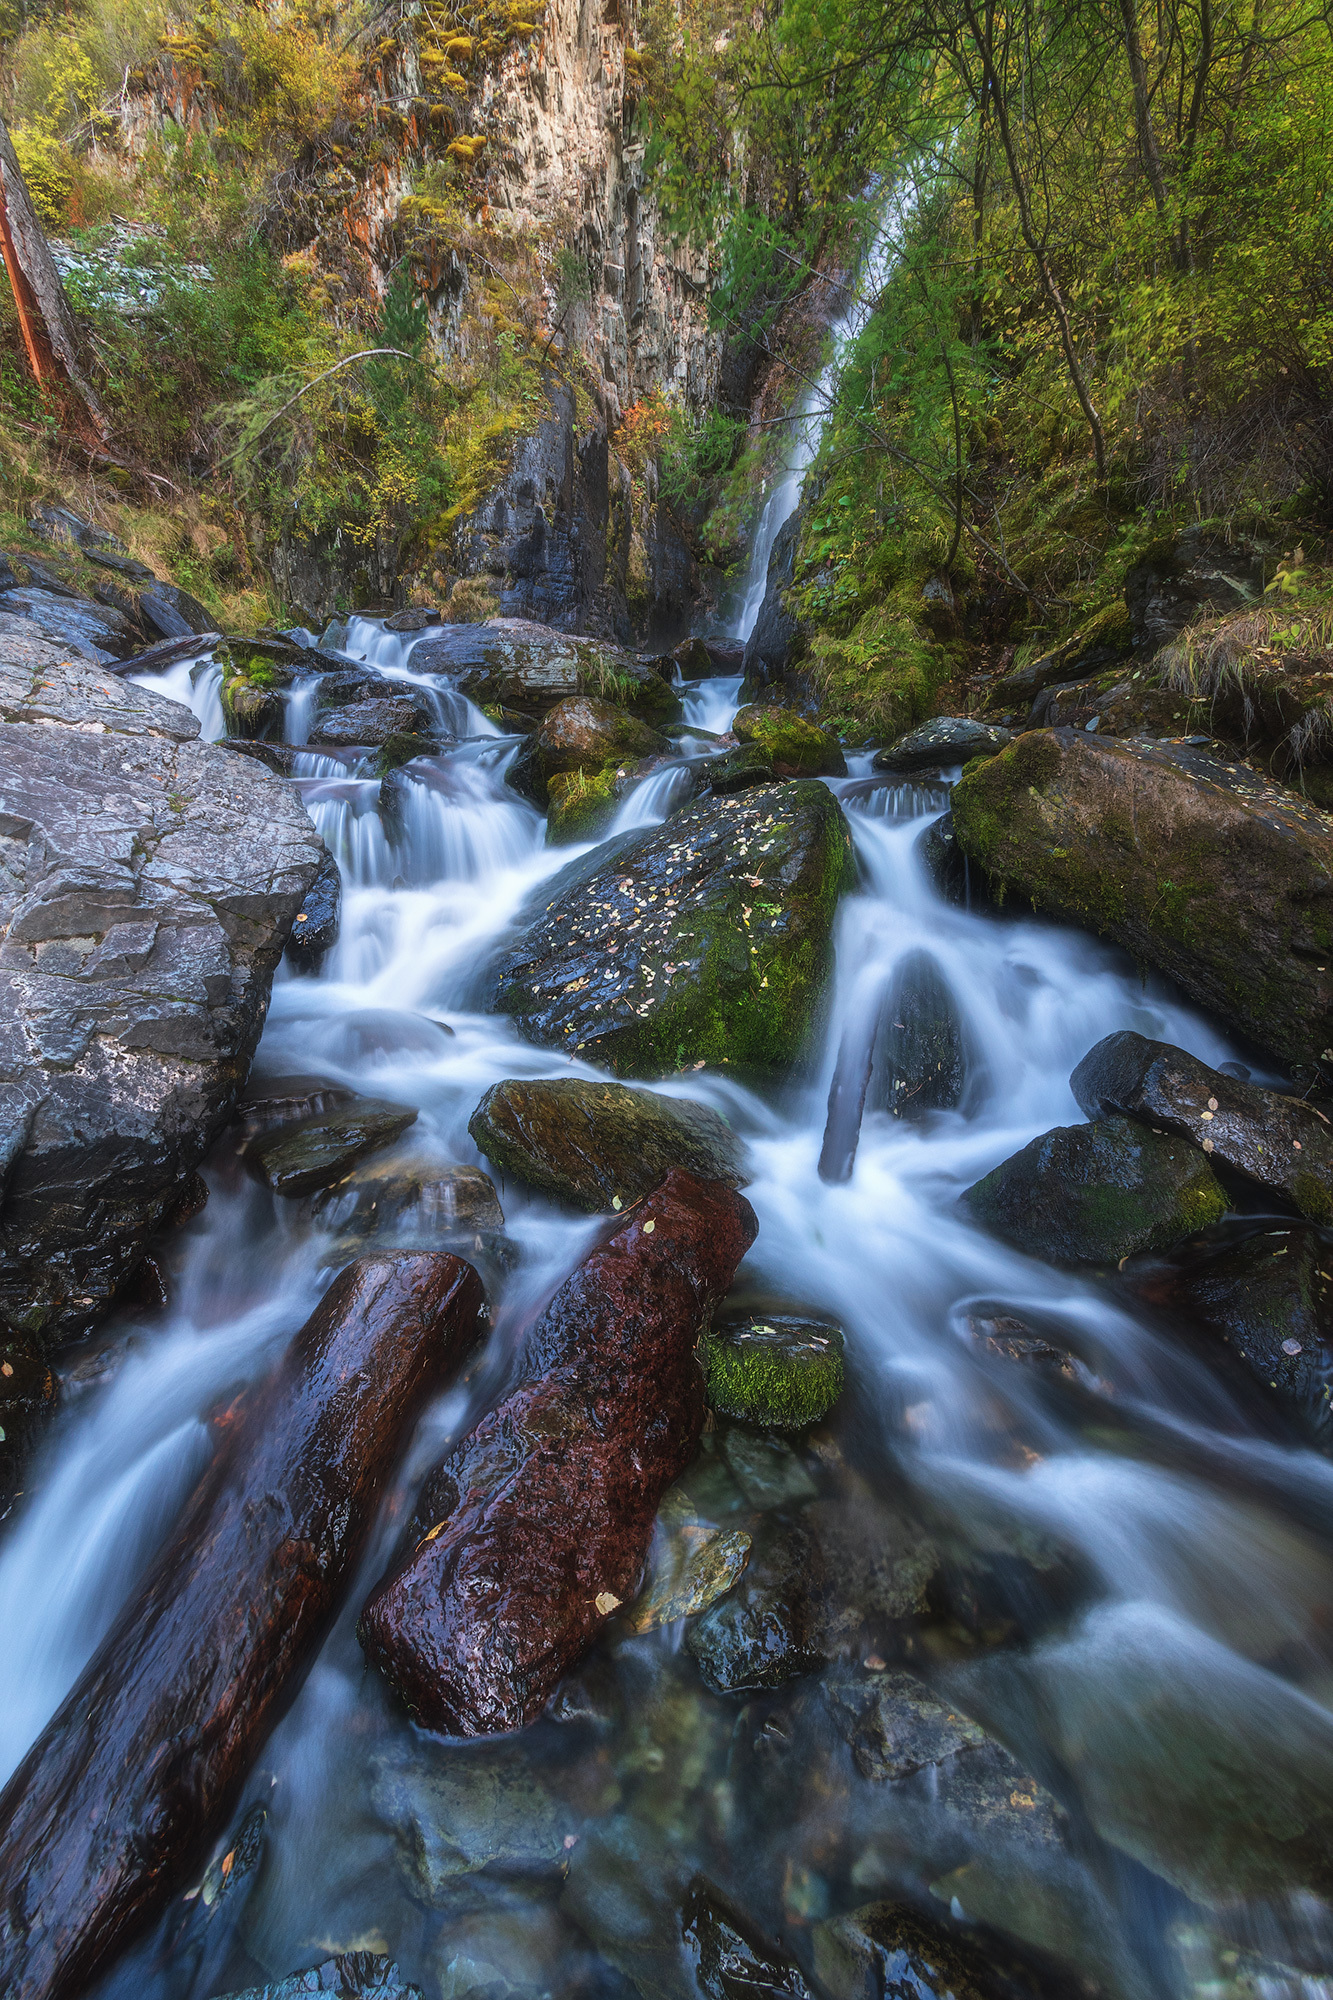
(1137, 1575)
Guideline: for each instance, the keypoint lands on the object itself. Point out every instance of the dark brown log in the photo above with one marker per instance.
(46, 323)
(121, 1794)
(538, 1526)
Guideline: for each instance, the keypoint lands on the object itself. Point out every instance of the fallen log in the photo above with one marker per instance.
(119, 1797)
(538, 1526)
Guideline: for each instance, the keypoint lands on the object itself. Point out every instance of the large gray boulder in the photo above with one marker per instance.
(148, 883)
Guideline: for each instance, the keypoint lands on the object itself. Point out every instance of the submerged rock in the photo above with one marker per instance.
(353, 1975)
(601, 1145)
(1270, 1298)
(413, 1204)
(535, 1530)
(732, 1958)
(1197, 867)
(315, 929)
(895, 1724)
(1274, 1140)
(690, 1570)
(766, 1469)
(318, 1154)
(796, 748)
(708, 939)
(148, 889)
(455, 1815)
(766, 1631)
(949, 739)
(778, 1371)
(888, 1949)
(1097, 1193)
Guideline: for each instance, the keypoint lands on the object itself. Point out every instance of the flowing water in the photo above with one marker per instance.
(1137, 1567)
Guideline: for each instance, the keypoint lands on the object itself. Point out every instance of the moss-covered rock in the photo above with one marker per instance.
(582, 734)
(1097, 1193)
(707, 940)
(779, 1371)
(879, 678)
(598, 1144)
(1196, 866)
(796, 748)
(735, 770)
(580, 805)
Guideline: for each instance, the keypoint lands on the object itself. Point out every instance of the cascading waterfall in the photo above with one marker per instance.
(197, 685)
(1203, 1545)
(809, 415)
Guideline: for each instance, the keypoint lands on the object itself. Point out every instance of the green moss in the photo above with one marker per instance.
(779, 1374)
(1314, 1197)
(796, 748)
(580, 804)
(882, 675)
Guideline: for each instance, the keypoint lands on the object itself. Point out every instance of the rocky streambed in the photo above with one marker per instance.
(875, 1539)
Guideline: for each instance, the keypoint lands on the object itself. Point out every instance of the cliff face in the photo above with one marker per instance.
(511, 186)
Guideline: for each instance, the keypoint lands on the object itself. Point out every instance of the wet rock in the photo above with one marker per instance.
(694, 660)
(949, 739)
(316, 926)
(318, 1154)
(415, 620)
(1006, 1339)
(944, 860)
(270, 1101)
(732, 1958)
(1206, 1768)
(94, 630)
(690, 1569)
(895, 1724)
(165, 653)
(736, 770)
(280, 758)
(413, 1204)
(27, 1403)
(370, 722)
(766, 1631)
(776, 643)
(581, 734)
(543, 1516)
(148, 888)
(353, 1975)
(601, 1145)
(797, 748)
(889, 1949)
(471, 1810)
(879, 1565)
(580, 806)
(1104, 640)
(767, 1471)
(97, 1828)
(1199, 868)
(1097, 1193)
(1198, 571)
(1270, 1298)
(1130, 707)
(704, 940)
(1274, 1140)
(778, 1371)
(914, 1063)
(514, 663)
(625, 1892)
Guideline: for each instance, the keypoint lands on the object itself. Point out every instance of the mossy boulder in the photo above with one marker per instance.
(707, 940)
(1097, 1193)
(880, 677)
(796, 748)
(599, 1144)
(584, 735)
(1197, 866)
(735, 770)
(580, 806)
(251, 708)
(779, 1371)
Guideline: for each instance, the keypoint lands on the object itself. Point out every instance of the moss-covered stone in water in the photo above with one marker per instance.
(707, 940)
(797, 748)
(1096, 1193)
(579, 805)
(779, 1372)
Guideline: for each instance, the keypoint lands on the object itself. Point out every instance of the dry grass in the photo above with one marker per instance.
(1268, 661)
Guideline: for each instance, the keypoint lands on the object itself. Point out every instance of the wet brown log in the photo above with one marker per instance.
(121, 1794)
(538, 1526)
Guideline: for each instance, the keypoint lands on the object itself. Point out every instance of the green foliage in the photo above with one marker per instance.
(696, 455)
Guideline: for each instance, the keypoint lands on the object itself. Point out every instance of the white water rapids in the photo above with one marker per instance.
(1204, 1536)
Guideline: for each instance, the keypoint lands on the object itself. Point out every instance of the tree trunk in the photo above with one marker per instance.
(1152, 159)
(136, 1773)
(45, 320)
(538, 1526)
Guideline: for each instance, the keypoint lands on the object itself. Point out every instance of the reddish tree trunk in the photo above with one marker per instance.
(540, 1523)
(121, 1794)
(50, 338)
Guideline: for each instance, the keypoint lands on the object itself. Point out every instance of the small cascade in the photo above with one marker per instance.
(711, 704)
(455, 820)
(346, 815)
(196, 685)
(298, 711)
(653, 799)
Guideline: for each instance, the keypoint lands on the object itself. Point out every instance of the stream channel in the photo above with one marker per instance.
(1117, 1565)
